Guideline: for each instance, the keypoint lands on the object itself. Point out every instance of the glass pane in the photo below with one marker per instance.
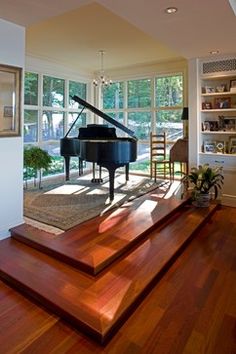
(140, 123)
(113, 96)
(169, 91)
(57, 166)
(81, 122)
(139, 93)
(76, 89)
(142, 164)
(119, 117)
(30, 126)
(53, 91)
(52, 125)
(31, 88)
(170, 122)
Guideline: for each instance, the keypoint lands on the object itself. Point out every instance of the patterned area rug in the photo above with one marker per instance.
(67, 204)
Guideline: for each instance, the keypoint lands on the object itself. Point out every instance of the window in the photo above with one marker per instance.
(140, 123)
(81, 122)
(52, 125)
(169, 91)
(113, 96)
(30, 126)
(139, 93)
(147, 110)
(48, 114)
(53, 92)
(31, 89)
(76, 89)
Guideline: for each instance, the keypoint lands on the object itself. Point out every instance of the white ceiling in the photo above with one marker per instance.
(132, 32)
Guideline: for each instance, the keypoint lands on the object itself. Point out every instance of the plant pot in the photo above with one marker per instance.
(202, 200)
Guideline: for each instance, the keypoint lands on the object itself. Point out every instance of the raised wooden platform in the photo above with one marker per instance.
(98, 305)
(95, 244)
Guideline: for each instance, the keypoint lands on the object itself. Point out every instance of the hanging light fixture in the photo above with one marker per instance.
(102, 79)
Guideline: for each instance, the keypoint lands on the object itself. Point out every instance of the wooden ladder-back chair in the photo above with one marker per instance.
(159, 165)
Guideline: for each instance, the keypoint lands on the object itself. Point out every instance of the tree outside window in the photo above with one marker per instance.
(139, 93)
(76, 89)
(31, 89)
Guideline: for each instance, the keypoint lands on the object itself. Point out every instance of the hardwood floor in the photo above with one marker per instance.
(192, 309)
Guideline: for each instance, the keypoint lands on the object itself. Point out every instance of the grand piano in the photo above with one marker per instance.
(99, 144)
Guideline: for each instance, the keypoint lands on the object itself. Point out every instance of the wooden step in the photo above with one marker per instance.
(99, 305)
(95, 244)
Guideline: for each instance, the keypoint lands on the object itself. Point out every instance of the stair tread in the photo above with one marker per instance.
(97, 304)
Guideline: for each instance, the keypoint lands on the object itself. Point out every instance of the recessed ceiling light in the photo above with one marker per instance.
(171, 10)
(214, 52)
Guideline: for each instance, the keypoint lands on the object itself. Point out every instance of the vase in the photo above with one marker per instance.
(202, 200)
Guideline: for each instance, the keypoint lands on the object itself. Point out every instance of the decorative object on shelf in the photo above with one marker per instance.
(233, 83)
(229, 124)
(233, 86)
(36, 159)
(210, 125)
(207, 182)
(102, 78)
(209, 89)
(222, 102)
(232, 145)
(221, 88)
(206, 105)
(220, 147)
(205, 126)
(209, 146)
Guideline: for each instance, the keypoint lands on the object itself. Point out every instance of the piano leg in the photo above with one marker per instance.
(80, 167)
(67, 166)
(99, 179)
(127, 172)
(111, 182)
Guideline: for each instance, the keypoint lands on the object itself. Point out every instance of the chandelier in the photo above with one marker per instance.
(102, 79)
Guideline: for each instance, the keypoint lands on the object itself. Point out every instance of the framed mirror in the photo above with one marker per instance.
(10, 101)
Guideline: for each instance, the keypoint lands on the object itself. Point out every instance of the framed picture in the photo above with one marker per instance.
(205, 126)
(10, 99)
(222, 102)
(206, 105)
(221, 88)
(233, 83)
(209, 89)
(209, 146)
(220, 147)
(8, 111)
(232, 145)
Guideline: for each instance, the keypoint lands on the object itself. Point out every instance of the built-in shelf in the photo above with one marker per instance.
(219, 132)
(216, 154)
(218, 94)
(219, 110)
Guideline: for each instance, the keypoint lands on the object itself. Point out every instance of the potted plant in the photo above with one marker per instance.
(206, 181)
(36, 159)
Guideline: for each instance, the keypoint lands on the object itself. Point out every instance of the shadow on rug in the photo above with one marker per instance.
(70, 203)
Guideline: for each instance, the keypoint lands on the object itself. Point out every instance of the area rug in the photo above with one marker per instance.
(64, 205)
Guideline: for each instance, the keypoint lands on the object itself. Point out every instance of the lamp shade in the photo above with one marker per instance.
(185, 113)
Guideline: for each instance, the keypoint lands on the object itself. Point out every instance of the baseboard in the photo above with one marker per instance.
(228, 200)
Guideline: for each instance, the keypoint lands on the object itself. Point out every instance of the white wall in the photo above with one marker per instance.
(193, 101)
(12, 44)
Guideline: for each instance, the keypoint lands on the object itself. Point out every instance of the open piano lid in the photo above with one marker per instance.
(104, 116)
